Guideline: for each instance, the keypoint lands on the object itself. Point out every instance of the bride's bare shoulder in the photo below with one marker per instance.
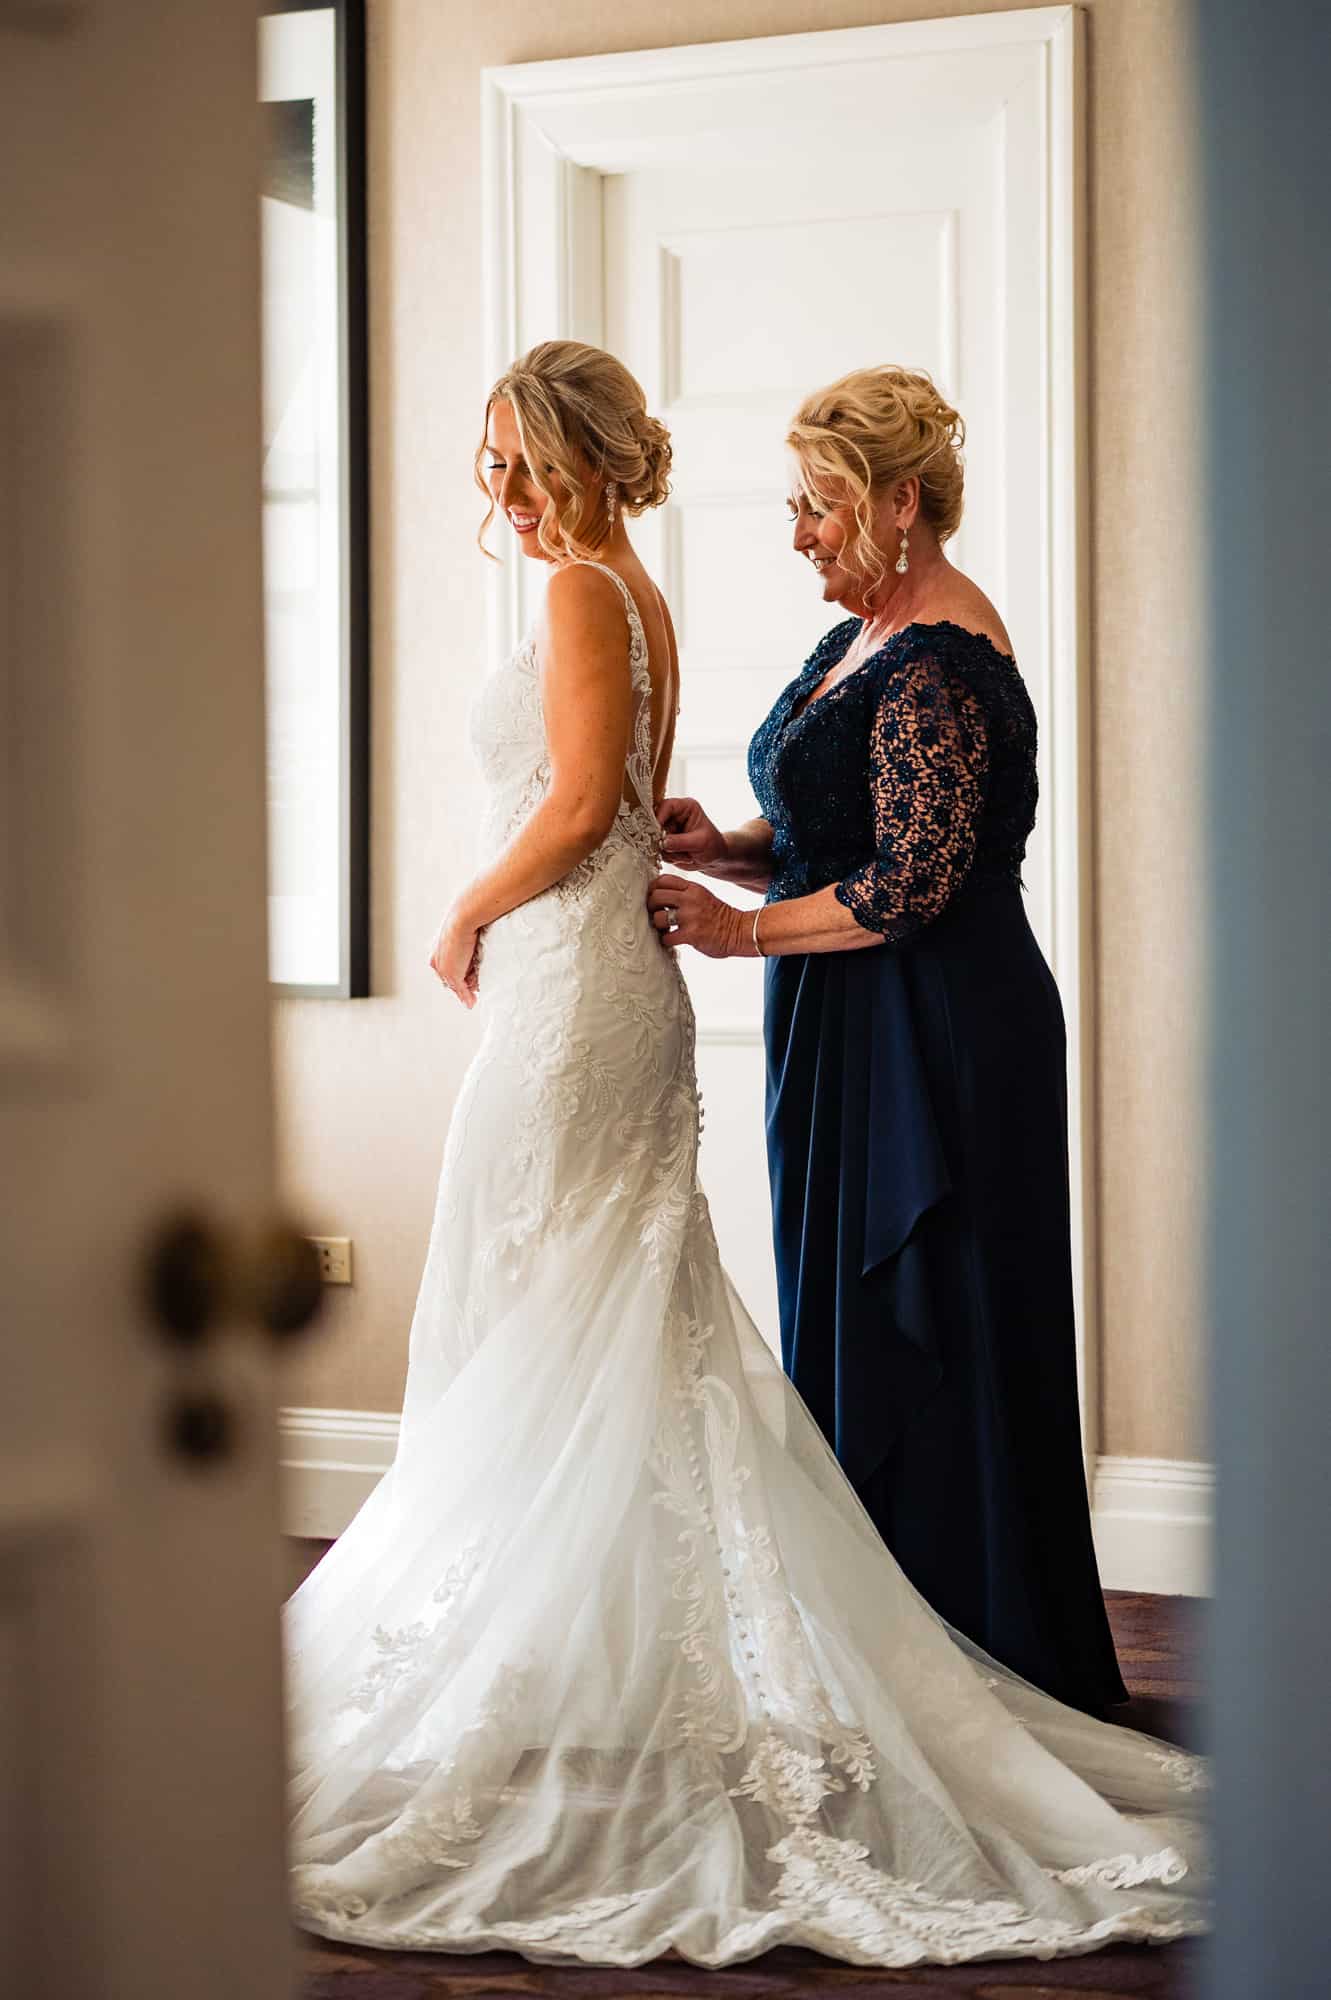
(576, 586)
(582, 602)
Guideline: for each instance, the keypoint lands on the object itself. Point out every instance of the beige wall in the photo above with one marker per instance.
(365, 1086)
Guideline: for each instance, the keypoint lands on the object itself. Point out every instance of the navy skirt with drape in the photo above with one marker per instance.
(917, 1140)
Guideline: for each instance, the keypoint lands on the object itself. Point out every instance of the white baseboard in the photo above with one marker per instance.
(1152, 1515)
(331, 1462)
(1152, 1519)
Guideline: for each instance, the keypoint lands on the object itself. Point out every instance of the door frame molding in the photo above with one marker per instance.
(549, 134)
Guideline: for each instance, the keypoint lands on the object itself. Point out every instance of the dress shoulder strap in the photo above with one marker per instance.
(639, 762)
(638, 666)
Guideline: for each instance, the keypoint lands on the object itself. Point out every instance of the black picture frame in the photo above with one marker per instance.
(340, 970)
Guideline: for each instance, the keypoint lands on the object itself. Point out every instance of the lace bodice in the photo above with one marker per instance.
(910, 777)
(509, 741)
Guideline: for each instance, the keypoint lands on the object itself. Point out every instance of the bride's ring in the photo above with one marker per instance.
(671, 911)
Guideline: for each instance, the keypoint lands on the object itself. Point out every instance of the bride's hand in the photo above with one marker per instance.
(456, 957)
(686, 913)
(691, 840)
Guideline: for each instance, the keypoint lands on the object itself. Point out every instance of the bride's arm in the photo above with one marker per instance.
(588, 703)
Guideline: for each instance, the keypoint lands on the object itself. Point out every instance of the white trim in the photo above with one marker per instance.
(824, 48)
(1072, 951)
(1153, 1520)
(1152, 1516)
(331, 1461)
(729, 1034)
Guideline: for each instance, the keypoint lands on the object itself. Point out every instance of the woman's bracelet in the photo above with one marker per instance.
(757, 945)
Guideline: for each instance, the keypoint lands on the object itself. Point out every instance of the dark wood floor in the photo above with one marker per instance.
(1160, 1643)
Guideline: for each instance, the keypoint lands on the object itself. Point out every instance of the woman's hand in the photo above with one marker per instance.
(686, 913)
(456, 956)
(691, 840)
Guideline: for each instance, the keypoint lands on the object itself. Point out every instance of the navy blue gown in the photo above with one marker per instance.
(917, 1141)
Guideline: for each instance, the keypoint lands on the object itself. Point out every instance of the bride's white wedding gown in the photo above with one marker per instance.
(613, 1662)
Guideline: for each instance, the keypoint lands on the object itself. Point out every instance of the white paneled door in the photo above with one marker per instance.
(141, 1755)
(742, 223)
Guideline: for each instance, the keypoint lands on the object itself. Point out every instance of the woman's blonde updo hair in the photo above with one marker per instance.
(579, 411)
(855, 440)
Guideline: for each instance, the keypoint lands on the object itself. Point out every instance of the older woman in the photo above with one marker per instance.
(916, 1105)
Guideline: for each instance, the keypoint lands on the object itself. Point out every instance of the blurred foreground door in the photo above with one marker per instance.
(140, 1737)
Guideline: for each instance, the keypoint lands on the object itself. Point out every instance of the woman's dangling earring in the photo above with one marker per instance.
(903, 561)
(611, 496)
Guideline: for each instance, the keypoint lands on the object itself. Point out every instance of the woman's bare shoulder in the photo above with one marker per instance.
(964, 603)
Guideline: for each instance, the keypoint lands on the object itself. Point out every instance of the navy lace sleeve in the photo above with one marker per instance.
(910, 776)
(928, 760)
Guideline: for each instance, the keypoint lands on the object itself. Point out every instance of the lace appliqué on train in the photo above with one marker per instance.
(827, 1883)
(1184, 1771)
(1125, 1871)
(399, 1653)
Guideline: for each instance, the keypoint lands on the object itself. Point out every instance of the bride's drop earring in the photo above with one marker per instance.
(611, 497)
(903, 561)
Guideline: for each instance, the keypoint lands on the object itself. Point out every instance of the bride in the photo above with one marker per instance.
(612, 1662)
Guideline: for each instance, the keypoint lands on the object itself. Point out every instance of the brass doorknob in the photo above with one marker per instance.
(195, 1275)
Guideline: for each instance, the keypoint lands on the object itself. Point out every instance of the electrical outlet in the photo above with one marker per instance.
(334, 1258)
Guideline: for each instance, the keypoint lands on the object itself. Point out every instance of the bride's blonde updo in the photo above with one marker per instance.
(854, 440)
(579, 411)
